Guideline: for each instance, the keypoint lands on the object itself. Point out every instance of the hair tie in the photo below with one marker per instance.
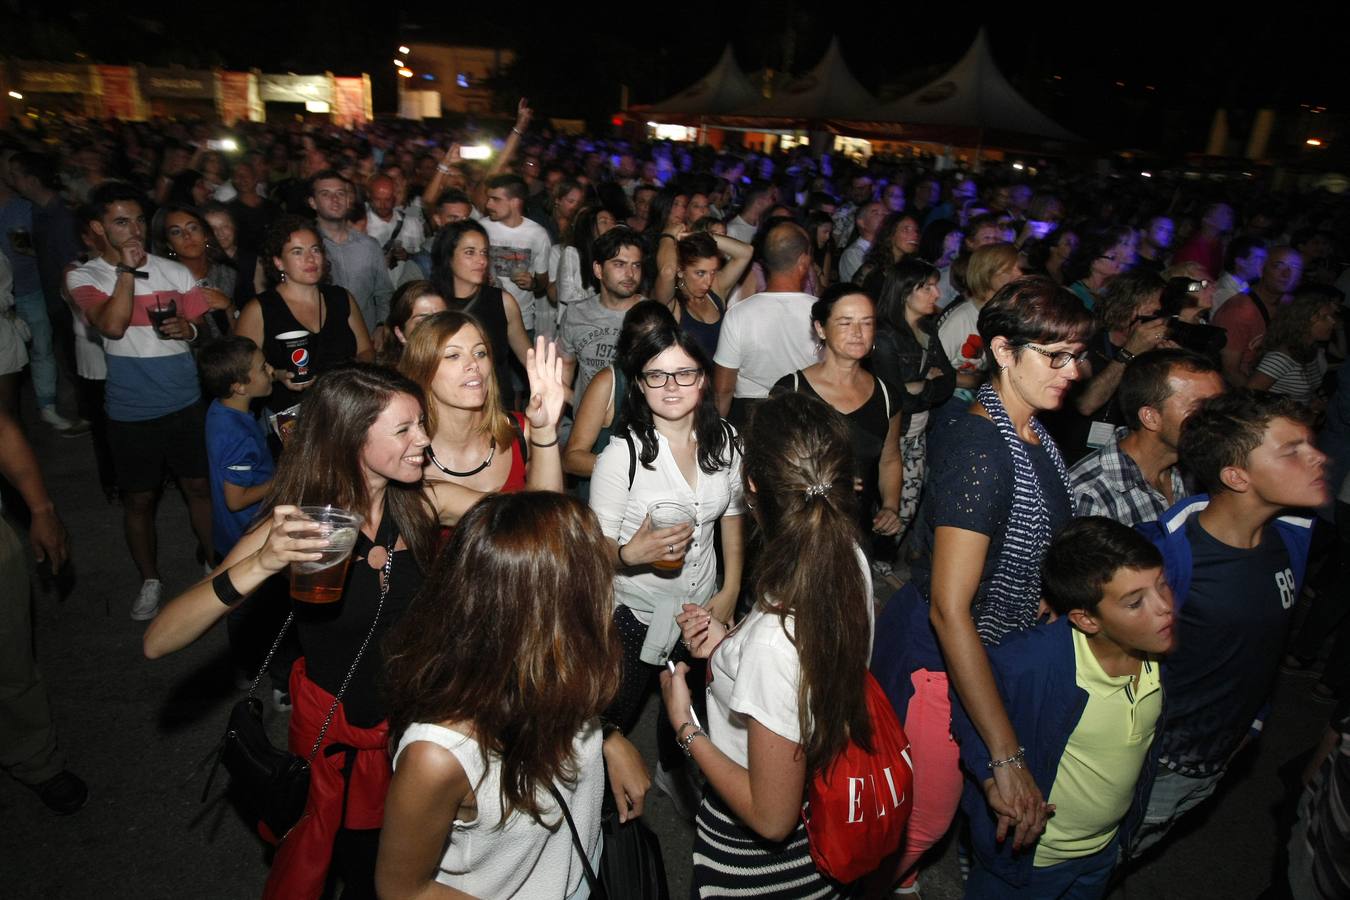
(817, 490)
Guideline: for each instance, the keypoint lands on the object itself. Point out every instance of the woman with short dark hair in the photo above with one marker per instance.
(998, 492)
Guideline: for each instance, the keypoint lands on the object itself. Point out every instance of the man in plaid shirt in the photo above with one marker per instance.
(1133, 478)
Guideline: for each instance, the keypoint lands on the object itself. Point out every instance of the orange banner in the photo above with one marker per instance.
(350, 97)
(233, 88)
(119, 94)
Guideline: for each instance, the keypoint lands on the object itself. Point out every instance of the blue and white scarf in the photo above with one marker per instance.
(1014, 593)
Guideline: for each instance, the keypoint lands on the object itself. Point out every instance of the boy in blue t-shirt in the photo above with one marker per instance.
(1235, 565)
(1084, 695)
(240, 467)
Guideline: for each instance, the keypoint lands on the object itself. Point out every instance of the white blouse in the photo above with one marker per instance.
(655, 599)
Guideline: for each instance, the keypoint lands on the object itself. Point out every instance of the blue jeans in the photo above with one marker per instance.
(1172, 797)
(32, 308)
(1075, 879)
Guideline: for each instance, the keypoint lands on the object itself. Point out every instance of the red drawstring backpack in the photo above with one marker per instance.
(857, 808)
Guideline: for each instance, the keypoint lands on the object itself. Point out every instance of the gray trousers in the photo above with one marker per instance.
(27, 734)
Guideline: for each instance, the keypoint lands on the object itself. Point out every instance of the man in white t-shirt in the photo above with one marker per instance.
(518, 247)
(767, 335)
(759, 199)
(397, 229)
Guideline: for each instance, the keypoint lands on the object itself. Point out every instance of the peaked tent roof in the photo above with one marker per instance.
(973, 94)
(724, 89)
(828, 91)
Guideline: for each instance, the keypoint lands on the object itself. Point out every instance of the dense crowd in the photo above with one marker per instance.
(619, 417)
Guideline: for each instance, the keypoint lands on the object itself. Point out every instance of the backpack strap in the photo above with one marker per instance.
(885, 396)
(632, 457)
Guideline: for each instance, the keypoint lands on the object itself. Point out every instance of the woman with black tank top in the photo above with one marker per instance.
(360, 445)
(300, 299)
(706, 267)
(461, 273)
(844, 319)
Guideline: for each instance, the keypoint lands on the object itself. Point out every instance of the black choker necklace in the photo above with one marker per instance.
(492, 451)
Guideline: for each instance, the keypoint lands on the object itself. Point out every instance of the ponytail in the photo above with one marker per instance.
(800, 461)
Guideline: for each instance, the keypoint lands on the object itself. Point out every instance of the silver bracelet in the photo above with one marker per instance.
(688, 739)
(1017, 760)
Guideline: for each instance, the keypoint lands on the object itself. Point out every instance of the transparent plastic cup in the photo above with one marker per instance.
(667, 514)
(321, 581)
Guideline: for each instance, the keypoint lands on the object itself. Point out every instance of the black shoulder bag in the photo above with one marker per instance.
(630, 864)
(272, 783)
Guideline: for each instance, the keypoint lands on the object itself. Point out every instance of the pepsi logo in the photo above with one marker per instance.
(300, 358)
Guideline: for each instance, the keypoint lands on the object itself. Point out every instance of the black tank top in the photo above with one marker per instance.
(488, 307)
(333, 345)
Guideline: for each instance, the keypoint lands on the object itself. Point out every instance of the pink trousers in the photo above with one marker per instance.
(937, 771)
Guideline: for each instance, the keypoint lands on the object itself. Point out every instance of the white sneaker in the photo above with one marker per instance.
(147, 602)
(682, 789)
(66, 426)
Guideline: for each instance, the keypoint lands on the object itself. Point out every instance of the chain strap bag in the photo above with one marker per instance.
(273, 783)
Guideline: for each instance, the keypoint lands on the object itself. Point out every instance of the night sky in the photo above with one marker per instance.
(1173, 72)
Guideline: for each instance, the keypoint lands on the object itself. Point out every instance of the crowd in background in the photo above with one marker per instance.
(972, 379)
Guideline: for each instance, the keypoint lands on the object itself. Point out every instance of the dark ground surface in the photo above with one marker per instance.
(138, 732)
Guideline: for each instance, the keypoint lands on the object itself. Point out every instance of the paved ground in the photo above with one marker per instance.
(138, 731)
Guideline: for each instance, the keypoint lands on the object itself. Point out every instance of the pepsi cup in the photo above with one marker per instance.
(296, 344)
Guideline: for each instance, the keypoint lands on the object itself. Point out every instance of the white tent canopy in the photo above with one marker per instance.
(723, 90)
(973, 94)
(828, 91)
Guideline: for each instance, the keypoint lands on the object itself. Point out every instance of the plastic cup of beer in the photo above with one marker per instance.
(321, 580)
(667, 514)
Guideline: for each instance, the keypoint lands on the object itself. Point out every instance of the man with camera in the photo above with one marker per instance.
(1129, 323)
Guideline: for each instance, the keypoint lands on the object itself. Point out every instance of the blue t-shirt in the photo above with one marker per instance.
(236, 449)
(1229, 638)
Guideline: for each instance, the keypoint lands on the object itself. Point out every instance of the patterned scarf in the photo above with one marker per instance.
(1014, 592)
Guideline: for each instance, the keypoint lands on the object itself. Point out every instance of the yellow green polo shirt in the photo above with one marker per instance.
(1101, 763)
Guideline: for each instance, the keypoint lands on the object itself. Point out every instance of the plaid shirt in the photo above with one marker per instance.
(1109, 483)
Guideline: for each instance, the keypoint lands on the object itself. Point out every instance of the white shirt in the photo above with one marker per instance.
(741, 230)
(410, 237)
(851, 259)
(755, 675)
(521, 858)
(766, 336)
(524, 247)
(564, 270)
(655, 598)
(1229, 286)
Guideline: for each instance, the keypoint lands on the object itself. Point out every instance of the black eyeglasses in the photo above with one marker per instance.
(1059, 358)
(656, 379)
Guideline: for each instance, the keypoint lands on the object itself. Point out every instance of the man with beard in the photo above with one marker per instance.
(591, 328)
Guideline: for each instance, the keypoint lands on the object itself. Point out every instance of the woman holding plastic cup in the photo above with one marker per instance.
(670, 473)
(304, 325)
(359, 446)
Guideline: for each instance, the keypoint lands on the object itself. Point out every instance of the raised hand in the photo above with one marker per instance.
(544, 368)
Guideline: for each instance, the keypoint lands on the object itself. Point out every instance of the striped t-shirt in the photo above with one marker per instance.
(147, 377)
(1296, 380)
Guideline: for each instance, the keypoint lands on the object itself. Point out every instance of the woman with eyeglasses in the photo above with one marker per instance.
(671, 472)
(997, 494)
(1102, 254)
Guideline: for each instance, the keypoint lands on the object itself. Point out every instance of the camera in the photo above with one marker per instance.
(1198, 337)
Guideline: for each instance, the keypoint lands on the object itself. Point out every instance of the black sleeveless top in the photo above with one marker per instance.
(333, 345)
(331, 633)
(705, 333)
(488, 307)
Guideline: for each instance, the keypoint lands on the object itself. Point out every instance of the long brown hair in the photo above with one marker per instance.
(422, 357)
(512, 633)
(322, 462)
(800, 467)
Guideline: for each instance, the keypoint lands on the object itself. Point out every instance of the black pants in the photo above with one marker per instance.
(89, 400)
(638, 679)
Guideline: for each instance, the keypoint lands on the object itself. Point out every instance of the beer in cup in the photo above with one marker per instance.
(321, 580)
